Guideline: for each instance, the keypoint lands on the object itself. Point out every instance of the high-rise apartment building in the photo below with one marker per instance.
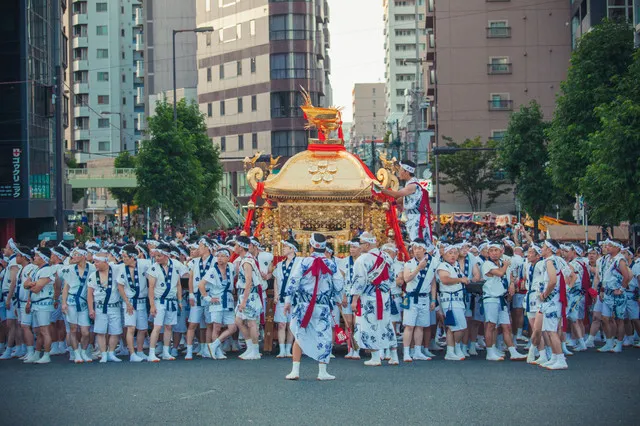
(587, 13)
(107, 78)
(32, 49)
(486, 58)
(404, 44)
(250, 71)
(368, 103)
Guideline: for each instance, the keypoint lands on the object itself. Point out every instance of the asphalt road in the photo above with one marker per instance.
(597, 389)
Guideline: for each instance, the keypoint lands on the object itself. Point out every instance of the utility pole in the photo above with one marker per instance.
(373, 156)
(417, 86)
(59, 152)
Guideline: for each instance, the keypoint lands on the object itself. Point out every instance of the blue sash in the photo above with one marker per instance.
(16, 295)
(167, 280)
(134, 283)
(286, 272)
(203, 271)
(107, 296)
(227, 287)
(422, 275)
(83, 281)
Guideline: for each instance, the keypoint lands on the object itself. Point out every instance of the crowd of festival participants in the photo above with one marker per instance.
(199, 296)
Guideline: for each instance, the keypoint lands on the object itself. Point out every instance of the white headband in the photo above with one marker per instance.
(390, 247)
(17, 250)
(355, 244)
(64, 249)
(316, 244)
(166, 253)
(548, 244)
(43, 256)
(451, 247)
(243, 245)
(417, 244)
(78, 252)
(370, 240)
(536, 249)
(12, 244)
(408, 168)
(494, 245)
(287, 243)
(329, 250)
(578, 250)
(224, 251)
(565, 247)
(615, 244)
(509, 242)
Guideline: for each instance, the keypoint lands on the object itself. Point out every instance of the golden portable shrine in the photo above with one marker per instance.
(323, 189)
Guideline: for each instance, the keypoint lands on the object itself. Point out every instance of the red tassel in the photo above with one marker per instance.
(563, 302)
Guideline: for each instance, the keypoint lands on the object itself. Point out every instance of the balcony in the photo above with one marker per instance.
(140, 69)
(80, 88)
(327, 12)
(500, 105)
(319, 18)
(140, 95)
(81, 111)
(138, 20)
(431, 56)
(498, 32)
(79, 134)
(80, 65)
(497, 69)
(140, 122)
(327, 64)
(80, 42)
(430, 22)
(327, 38)
(139, 44)
(80, 19)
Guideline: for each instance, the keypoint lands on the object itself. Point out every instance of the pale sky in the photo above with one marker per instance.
(357, 48)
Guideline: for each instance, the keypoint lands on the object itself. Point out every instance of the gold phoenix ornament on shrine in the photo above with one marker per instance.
(323, 189)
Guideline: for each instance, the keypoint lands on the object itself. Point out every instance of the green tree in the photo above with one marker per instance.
(473, 173)
(612, 179)
(124, 160)
(171, 168)
(602, 55)
(70, 161)
(523, 155)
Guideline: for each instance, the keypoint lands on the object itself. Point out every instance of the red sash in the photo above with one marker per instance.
(586, 285)
(318, 267)
(382, 277)
(425, 214)
(563, 302)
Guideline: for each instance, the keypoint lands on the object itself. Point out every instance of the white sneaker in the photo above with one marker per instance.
(46, 359)
(111, 357)
(135, 358)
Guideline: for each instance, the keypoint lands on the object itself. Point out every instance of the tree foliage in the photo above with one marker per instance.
(612, 179)
(178, 168)
(124, 160)
(523, 155)
(473, 173)
(601, 57)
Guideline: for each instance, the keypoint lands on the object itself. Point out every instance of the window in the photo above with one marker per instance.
(254, 103)
(290, 65)
(620, 10)
(207, 5)
(290, 27)
(122, 32)
(373, 91)
(286, 104)
(244, 189)
(239, 67)
(102, 53)
(207, 39)
(122, 10)
(498, 29)
(103, 123)
(124, 124)
(104, 146)
(124, 101)
(240, 108)
(209, 74)
(103, 99)
(221, 71)
(499, 65)
(223, 144)
(253, 65)
(240, 142)
(209, 109)
(221, 107)
(399, 92)
(497, 135)
(124, 78)
(254, 141)
(103, 76)
(101, 30)
(122, 55)
(374, 114)
(288, 143)
(101, 7)
(500, 102)
(252, 27)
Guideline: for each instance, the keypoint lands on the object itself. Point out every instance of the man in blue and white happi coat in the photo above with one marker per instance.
(313, 290)
(371, 284)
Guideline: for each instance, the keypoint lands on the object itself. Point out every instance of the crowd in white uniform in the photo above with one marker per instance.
(100, 302)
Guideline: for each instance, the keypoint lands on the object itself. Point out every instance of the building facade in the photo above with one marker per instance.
(484, 60)
(368, 105)
(587, 13)
(250, 71)
(404, 46)
(32, 49)
(106, 91)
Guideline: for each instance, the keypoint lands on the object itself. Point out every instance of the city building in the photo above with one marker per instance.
(368, 104)
(250, 71)
(161, 18)
(484, 60)
(404, 45)
(107, 78)
(32, 50)
(587, 13)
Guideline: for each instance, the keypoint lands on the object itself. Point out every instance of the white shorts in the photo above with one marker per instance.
(418, 315)
(518, 301)
(493, 313)
(348, 310)
(24, 317)
(56, 315)
(550, 321)
(279, 315)
(196, 316)
(109, 323)
(181, 320)
(460, 319)
(632, 311)
(597, 306)
(11, 312)
(395, 309)
(223, 317)
(139, 317)
(164, 317)
(614, 305)
(40, 318)
(78, 318)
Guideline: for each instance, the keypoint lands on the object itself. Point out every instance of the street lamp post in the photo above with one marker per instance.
(193, 30)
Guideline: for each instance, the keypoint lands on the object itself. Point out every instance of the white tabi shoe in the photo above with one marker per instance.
(135, 358)
(355, 354)
(111, 357)
(295, 372)
(531, 355)
(607, 346)
(85, 356)
(542, 359)
(551, 361)
(419, 356)
(617, 348)
(458, 351)
(72, 356)
(103, 358)
(322, 373)
(386, 355)
(6, 354)
(407, 358)
(375, 360)
(514, 355)
(394, 357)
(566, 350)
(255, 353)
(560, 364)
(77, 356)
(152, 357)
(451, 355)
(580, 346)
(492, 355)
(33, 358)
(166, 356)
(627, 341)
(46, 359)
(472, 349)
(348, 355)
(248, 352)
(219, 353)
